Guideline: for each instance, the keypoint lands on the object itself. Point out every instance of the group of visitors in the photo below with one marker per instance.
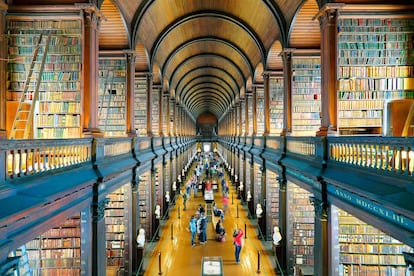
(208, 165)
(198, 226)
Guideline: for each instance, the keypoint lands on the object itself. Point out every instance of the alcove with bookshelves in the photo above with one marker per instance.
(140, 106)
(249, 107)
(155, 109)
(112, 95)
(375, 66)
(257, 185)
(306, 93)
(365, 250)
(272, 190)
(44, 77)
(301, 227)
(55, 252)
(144, 195)
(117, 226)
(276, 104)
(260, 110)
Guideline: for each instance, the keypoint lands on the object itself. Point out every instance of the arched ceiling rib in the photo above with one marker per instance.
(208, 99)
(208, 45)
(212, 72)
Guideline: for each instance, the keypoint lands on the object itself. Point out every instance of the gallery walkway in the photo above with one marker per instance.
(174, 255)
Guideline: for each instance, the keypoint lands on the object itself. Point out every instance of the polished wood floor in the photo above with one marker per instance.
(173, 254)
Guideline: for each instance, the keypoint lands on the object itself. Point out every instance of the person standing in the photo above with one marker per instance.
(225, 201)
(203, 228)
(193, 229)
(237, 242)
(185, 198)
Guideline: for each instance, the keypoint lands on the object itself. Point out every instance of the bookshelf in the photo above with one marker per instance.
(57, 251)
(257, 187)
(260, 110)
(141, 105)
(375, 65)
(365, 250)
(276, 104)
(44, 81)
(243, 115)
(250, 113)
(158, 188)
(272, 185)
(112, 96)
(306, 95)
(116, 227)
(165, 101)
(155, 109)
(144, 195)
(301, 230)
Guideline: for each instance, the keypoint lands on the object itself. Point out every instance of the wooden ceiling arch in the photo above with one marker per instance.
(211, 71)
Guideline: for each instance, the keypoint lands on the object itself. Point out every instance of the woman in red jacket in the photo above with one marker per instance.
(237, 241)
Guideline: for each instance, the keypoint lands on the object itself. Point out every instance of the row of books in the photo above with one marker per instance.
(55, 132)
(357, 114)
(57, 86)
(45, 24)
(403, 71)
(58, 120)
(59, 107)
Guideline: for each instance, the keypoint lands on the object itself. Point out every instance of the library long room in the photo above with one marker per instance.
(204, 138)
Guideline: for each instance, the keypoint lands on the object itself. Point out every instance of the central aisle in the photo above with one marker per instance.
(178, 257)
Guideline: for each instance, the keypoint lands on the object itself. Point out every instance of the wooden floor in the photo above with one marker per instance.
(173, 254)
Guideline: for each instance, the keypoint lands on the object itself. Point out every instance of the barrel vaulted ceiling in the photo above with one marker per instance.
(208, 51)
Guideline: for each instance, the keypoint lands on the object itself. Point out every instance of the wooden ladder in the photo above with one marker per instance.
(107, 88)
(22, 124)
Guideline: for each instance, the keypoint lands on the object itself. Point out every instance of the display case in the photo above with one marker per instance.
(212, 266)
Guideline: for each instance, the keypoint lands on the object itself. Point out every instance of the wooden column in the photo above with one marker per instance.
(254, 90)
(266, 79)
(135, 223)
(149, 104)
(3, 69)
(98, 235)
(287, 87)
(90, 97)
(283, 206)
(130, 85)
(328, 20)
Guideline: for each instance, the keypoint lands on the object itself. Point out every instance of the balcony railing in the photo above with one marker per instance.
(389, 154)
